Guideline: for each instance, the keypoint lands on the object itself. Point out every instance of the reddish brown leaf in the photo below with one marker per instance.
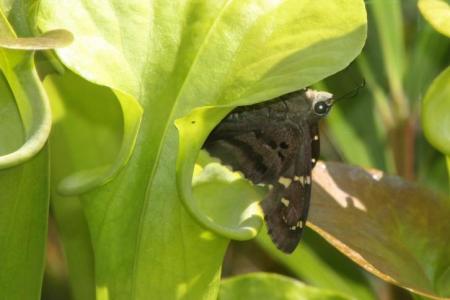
(392, 228)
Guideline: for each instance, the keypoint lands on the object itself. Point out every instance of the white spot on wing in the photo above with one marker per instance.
(377, 175)
(285, 181)
(285, 202)
(308, 179)
(300, 179)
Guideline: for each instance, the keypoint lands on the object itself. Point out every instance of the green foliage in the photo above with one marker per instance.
(24, 180)
(176, 80)
(437, 12)
(24, 201)
(141, 216)
(435, 117)
(23, 221)
(271, 286)
(315, 262)
(437, 100)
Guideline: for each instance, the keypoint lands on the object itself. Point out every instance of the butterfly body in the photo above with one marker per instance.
(276, 143)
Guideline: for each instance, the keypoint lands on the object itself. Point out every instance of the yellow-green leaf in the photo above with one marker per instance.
(437, 13)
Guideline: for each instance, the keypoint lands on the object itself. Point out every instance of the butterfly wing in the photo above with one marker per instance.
(277, 153)
(262, 155)
(286, 207)
(315, 143)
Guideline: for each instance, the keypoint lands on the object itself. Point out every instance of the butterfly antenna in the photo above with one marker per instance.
(352, 93)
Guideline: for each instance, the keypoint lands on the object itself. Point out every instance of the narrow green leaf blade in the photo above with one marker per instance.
(388, 20)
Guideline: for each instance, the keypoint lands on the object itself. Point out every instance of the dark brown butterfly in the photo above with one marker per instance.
(276, 143)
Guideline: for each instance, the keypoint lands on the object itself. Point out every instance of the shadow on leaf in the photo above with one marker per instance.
(392, 228)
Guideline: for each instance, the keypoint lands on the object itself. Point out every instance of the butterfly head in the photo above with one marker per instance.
(321, 102)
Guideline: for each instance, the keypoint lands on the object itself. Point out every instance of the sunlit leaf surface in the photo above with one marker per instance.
(49, 40)
(437, 12)
(257, 286)
(171, 57)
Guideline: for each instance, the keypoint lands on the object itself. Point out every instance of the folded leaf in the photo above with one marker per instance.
(172, 57)
(17, 65)
(24, 172)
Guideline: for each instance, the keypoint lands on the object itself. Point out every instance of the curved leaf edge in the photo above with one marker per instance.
(57, 38)
(358, 259)
(20, 73)
(24, 82)
(86, 180)
(193, 130)
(426, 9)
(428, 118)
(51, 39)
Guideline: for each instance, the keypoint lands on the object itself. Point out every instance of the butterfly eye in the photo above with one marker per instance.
(321, 108)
